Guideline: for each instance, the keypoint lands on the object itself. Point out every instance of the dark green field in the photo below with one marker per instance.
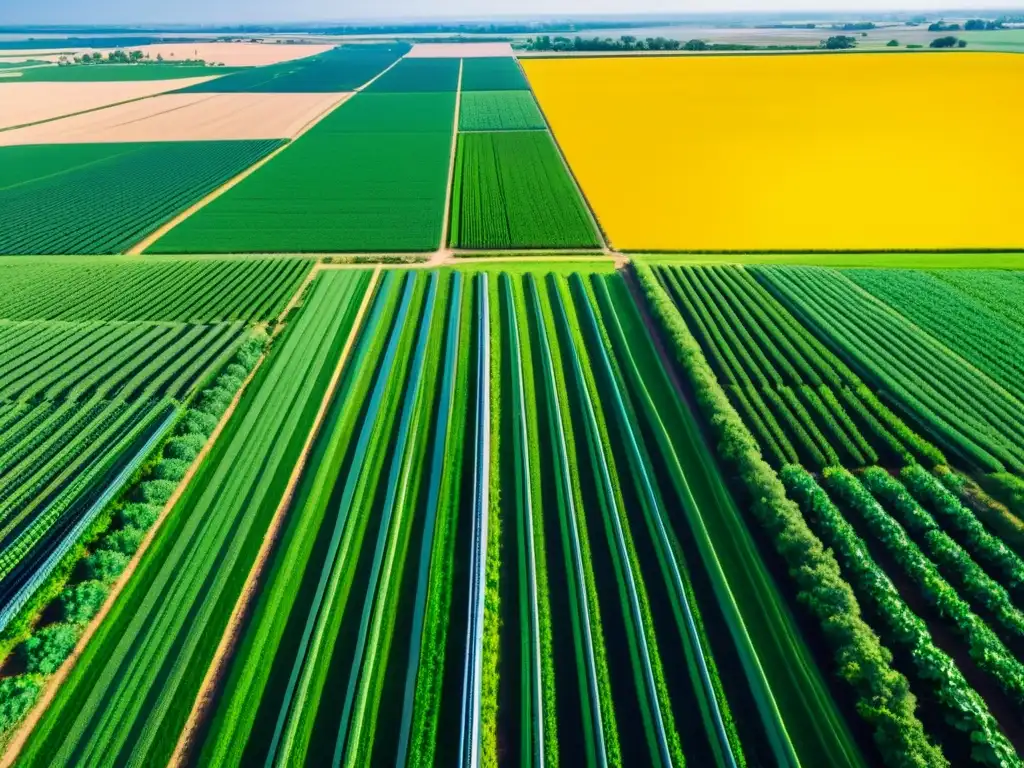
(493, 74)
(499, 111)
(372, 176)
(105, 198)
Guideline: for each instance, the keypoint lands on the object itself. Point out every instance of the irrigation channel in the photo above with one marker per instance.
(509, 546)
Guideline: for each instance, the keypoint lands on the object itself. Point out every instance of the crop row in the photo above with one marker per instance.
(496, 519)
(163, 631)
(803, 403)
(186, 291)
(961, 407)
(43, 361)
(982, 336)
(511, 190)
(108, 197)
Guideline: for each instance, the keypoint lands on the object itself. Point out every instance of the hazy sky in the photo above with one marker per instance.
(239, 11)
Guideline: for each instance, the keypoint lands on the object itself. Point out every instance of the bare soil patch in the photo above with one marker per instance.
(23, 103)
(184, 117)
(232, 54)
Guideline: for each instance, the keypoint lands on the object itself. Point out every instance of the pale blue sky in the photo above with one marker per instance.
(255, 11)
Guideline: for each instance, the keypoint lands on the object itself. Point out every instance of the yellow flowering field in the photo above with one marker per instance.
(796, 152)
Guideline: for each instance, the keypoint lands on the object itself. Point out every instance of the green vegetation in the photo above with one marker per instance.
(965, 323)
(884, 697)
(342, 69)
(499, 111)
(168, 622)
(72, 591)
(371, 176)
(419, 76)
(967, 412)
(499, 73)
(801, 402)
(511, 190)
(117, 72)
(105, 198)
(168, 290)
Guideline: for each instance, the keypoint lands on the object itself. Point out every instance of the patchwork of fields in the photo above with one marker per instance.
(260, 505)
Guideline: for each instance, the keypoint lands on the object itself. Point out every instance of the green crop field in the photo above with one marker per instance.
(493, 74)
(968, 412)
(512, 191)
(167, 625)
(174, 290)
(384, 455)
(344, 68)
(499, 111)
(369, 177)
(803, 404)
(105, 73)
(419, 76)
(105, 198)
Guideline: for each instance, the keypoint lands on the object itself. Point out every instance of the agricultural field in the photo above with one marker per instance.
(167, 625)
(391, 149)
(499, 111)
(725, 153)
(90, 385)
(184, 117)
(968, 412)
(379, 403)
(105, 198)
(109, 73)
(493, 74)
(28, 103)
(511, 190)
(338, 70)
(425, 75)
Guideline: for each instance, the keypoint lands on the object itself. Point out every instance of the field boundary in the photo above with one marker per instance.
(232, 632)
(139, 249)
(53, 684)
(444, 249)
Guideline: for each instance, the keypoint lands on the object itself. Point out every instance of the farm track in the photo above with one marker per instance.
(240, 614)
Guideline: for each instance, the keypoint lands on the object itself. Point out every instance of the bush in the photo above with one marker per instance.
(236, 371)
(17, 695)
(185, 447)
(47, 649)
(141, 516)
(156, 492)
(197, 422)
(893, 44)
(229, 383)
(885, 700)
(105, 565)
(126, 541)
(171, 469)
(81, 602)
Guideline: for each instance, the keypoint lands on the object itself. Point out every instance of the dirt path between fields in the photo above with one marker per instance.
(443, 251)
(217, 670)
(51, 686)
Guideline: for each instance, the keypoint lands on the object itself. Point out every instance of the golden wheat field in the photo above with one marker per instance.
(797, 152)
